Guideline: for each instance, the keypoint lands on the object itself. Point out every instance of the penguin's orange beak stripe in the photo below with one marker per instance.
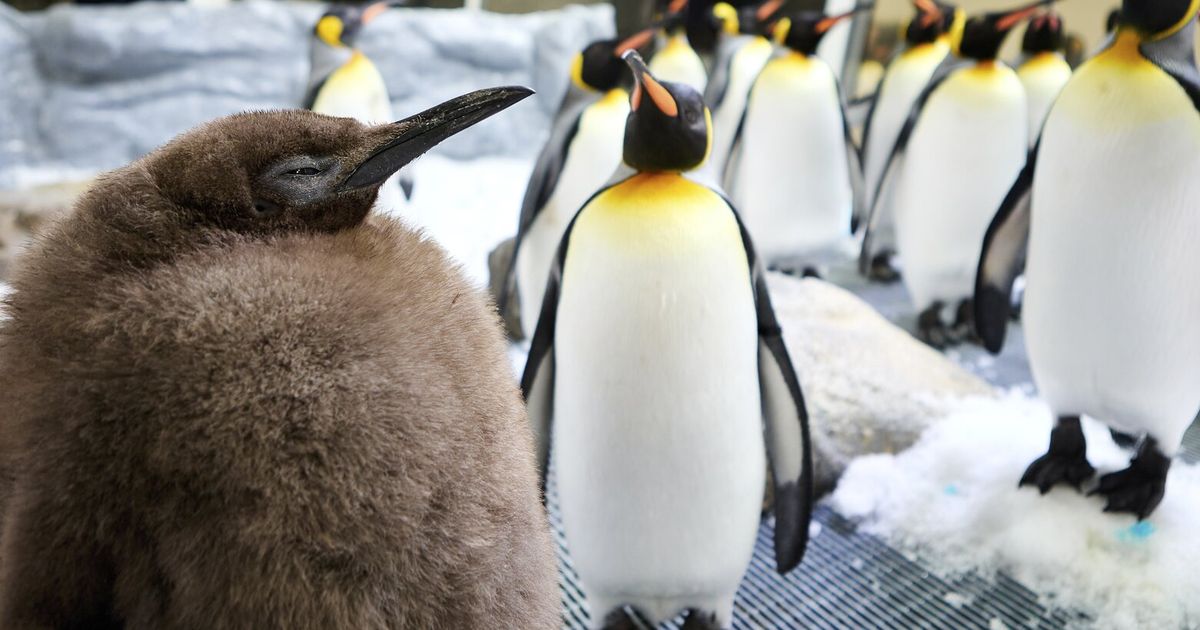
(768, 9)
(1014, 18)
(676, 6)
(633, 42)
(659, 94)
(930, 12)
(374, 11)
(829, 22)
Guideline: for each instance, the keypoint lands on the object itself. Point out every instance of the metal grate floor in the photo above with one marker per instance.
(850, 580)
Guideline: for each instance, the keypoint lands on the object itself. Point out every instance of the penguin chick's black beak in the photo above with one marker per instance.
(645, 84)
(1005, 21)
(419, 133)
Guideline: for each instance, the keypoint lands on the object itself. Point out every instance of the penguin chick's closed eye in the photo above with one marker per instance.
(305, 422)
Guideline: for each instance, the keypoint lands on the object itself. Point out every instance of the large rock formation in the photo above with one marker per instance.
(90, 88)
(870, 386)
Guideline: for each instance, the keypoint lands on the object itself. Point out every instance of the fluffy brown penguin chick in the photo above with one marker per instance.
(231, 399)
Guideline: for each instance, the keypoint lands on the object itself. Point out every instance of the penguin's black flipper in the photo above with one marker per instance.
(789, 446)
(544, 178)
(537, 382)
(891, 168)
(858, 184)
(1003, 258)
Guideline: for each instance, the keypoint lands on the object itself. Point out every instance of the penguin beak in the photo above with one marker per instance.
(373, 11)
(1016, 16)
(646, 84)
(930, 12)
(413, 136)
(829, 22)
(635, 41)
(768, 9)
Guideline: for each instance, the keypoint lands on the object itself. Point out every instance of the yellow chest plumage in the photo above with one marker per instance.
(654, 214)
(357, 90)
(1120, 88)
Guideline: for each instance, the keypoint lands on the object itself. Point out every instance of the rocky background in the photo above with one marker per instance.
(90, 88)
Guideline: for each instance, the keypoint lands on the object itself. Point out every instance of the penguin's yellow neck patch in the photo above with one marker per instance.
(1124, 51)
(577, 73)
(1120, 89)
(329, 30)
(616, 97)
(656, 214)
(921, 52)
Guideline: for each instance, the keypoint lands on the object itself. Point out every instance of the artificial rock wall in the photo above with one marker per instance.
(90, 88)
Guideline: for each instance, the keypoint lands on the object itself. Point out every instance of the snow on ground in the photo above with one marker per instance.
(952, 499)
(468, 206)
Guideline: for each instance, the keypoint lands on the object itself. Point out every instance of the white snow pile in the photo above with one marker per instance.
(952, 499)
(468, 206)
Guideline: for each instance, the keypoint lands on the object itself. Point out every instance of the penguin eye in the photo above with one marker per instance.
(307, 170)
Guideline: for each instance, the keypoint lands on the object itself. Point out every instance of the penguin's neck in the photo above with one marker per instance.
(1125, 50)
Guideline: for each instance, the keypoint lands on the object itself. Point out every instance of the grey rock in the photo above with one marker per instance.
(870, 387)
(89, 88)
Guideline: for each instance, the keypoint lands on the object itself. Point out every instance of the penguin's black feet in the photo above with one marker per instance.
(698, 620)
(964, 323)
(1066, 460)
(931, 329)
(811, 272)
(882, 269)
(1138, 489)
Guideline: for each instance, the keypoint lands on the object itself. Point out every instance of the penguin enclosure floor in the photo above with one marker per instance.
(871, 570)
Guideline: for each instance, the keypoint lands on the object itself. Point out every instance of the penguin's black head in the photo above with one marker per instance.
(669, 128)
(983, 35)
(927, 25)
(1158, 19)
(340, 25)
(267, 172)
(1044, 34)
(599, 67)
(803, 31)
(748, 19)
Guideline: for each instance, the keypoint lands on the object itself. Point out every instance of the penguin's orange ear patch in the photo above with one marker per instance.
(635, 100)
(661, 97)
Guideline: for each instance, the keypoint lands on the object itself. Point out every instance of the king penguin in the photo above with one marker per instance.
(676, 60)
(344, 82)
(1044, 71)
(742, 51)
(929, 39)
(794, 170)
(579, 158)
(234, 397)
(662, 364)
(1105, 210)
(956, 156)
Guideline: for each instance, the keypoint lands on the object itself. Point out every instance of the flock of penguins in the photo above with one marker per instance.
(235, 397)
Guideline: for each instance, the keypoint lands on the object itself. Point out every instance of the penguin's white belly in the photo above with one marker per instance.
(658, 441)
(1043, 78)
(593, 156)
(743, 69)
(1112, 302)
(963, 157)
(903, 83)
(792, 184)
